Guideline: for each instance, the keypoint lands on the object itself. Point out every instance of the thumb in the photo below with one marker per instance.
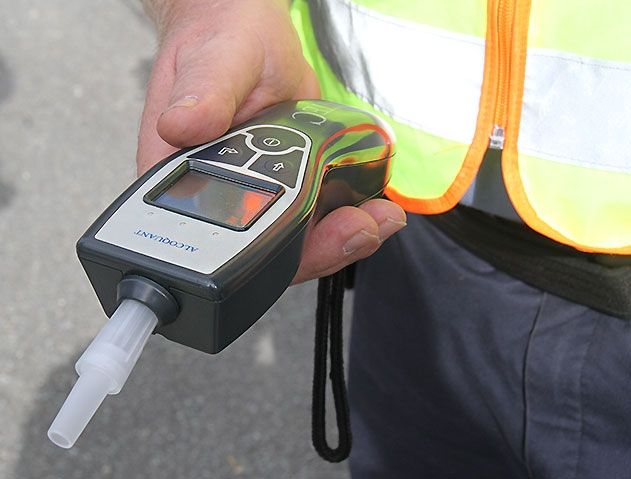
(211, 81)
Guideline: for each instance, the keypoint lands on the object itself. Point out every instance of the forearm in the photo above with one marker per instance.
(162, 12)
(156, 10)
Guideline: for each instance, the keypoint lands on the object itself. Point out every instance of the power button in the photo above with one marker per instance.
(275, 140)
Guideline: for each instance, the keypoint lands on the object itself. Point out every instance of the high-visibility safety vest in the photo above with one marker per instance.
(546, 81)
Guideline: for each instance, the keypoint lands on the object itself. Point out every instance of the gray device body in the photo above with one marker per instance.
(213, 278)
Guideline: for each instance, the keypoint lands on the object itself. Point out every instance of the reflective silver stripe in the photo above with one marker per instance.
(421, 76)
(577, 110)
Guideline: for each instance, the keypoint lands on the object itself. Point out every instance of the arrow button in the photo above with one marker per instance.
(232, 151)
(283, 168)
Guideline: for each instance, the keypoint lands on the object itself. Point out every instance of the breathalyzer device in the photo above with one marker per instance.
(200, 246)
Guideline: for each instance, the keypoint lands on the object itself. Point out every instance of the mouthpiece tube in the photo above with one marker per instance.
(103, 369)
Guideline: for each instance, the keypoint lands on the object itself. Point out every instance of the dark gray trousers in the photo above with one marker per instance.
(460, 371)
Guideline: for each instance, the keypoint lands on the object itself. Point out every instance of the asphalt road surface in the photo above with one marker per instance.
(72, 76)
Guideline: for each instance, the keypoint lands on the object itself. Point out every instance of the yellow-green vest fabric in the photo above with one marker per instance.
(548, 82)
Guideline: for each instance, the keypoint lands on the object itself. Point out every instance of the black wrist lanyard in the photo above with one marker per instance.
(328, 329)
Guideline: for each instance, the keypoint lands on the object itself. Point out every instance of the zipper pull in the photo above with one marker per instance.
(497, 138)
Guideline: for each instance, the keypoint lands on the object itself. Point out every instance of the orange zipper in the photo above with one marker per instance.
(502, 14)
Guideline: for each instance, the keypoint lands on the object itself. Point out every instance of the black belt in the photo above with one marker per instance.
(602, 282)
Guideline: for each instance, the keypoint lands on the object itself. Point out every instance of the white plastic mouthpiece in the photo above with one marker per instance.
(103, 369)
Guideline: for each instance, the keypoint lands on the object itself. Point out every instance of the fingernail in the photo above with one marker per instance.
(389, 227)
(361, 239)
(186, 102)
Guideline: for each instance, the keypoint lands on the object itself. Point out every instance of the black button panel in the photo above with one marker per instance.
(232, 151)
(275, 140)
(283, 168)
(269, 150)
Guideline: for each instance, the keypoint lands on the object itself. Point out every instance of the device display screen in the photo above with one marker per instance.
(215, 199)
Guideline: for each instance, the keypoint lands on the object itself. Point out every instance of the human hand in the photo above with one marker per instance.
(219, 63)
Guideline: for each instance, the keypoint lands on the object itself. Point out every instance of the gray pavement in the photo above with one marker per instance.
(72, 75)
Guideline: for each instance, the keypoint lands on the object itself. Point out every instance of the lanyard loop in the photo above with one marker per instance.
(329, 327)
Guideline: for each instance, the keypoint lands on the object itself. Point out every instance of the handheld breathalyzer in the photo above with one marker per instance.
(199, 247)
